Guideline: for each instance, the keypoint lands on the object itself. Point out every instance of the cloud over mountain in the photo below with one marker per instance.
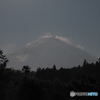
(48, 51)
(64, 39)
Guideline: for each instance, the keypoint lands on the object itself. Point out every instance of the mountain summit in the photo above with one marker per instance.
(46, 52)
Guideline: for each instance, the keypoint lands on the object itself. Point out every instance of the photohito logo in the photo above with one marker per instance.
(72, 93)
(92, 94)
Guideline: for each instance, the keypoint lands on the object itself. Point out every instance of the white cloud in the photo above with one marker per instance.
(64, 39)
(80, 47)
(47, 36)
(22, 58)
(67, 40)
(28, 44)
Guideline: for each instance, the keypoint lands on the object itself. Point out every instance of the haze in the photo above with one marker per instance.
(24, 21)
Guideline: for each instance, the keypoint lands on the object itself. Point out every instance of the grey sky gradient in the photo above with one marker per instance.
(23, 21)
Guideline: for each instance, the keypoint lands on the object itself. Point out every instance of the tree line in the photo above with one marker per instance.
(48, 83)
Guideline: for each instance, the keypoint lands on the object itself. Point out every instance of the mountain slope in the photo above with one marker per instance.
(46, 52)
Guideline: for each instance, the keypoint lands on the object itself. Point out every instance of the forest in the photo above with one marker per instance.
(48, 83)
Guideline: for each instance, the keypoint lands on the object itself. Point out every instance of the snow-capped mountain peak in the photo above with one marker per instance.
(46, 52)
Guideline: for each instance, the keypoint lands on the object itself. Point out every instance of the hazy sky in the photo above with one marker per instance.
(23, 21)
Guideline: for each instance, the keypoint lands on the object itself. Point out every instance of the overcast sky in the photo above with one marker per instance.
(24, 21)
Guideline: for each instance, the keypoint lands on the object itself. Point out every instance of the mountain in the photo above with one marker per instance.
(46, 52)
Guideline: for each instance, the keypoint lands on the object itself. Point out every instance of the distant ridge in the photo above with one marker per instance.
(46, 52)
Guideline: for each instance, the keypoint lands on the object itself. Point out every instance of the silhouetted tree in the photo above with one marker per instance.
(85, 63)
(49, 83)
(38, 69)
(26, 69)
(99, 60)
(3, 61)
(61, 68)
(54, 67)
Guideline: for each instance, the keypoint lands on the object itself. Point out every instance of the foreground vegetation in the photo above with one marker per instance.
(49, 83)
